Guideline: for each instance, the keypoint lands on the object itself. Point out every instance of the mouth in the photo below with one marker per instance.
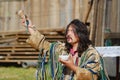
(69, 38)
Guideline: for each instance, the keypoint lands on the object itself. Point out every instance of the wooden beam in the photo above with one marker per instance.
(114, 16)
(11, 0)
(112, 35)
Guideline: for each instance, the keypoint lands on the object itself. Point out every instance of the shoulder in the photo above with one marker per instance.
(92, 52)
(60, 47)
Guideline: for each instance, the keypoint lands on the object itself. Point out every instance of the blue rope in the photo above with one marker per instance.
(39, 64)
(102, 71)
(27, 22)
(51, 57)
(43, 65)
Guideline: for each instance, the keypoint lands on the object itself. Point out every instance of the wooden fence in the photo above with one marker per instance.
(13, 46)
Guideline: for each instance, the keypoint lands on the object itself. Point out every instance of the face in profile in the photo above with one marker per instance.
(71, 36)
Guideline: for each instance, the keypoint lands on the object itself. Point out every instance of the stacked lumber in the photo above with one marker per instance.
(13, 46)
(112, 35)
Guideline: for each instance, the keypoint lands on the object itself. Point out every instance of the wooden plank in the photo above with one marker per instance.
(20, 50)
(17, 50)
(114, 18)
(23, 57)
(118, 15)
(8, 40)
(93, 28)
(54, 13)
(15, 45)
(99, 22)
(2, 57)
(41, 30)
(57, 37)
(112, 35)
(19, 53)
(18, 61)
(11, 0)
(49, 36)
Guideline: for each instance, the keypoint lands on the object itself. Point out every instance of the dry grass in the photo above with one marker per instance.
(17, 73)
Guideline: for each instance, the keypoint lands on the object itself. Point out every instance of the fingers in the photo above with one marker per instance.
(22, 22)
(68, 61)
(70, 57)
(25, 22)
(62, 61)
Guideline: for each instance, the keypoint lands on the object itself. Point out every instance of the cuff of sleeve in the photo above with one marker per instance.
(83, 74)
(35, 39)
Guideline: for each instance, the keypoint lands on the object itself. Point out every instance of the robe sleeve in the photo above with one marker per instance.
(37, 40)
(90, 67)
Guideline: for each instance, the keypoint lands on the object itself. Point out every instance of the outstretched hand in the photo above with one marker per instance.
(26, 22)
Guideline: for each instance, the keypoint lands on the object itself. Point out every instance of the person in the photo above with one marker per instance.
(83, 63)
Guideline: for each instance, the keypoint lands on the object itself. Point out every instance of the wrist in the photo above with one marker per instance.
(32, 27)
(75, 69)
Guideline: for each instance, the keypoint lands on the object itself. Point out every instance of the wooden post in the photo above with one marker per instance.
(84, 9)
(53, 13)
(76, 9)
(5, 15)
(87, 10)
(118, 16)
(68, 11)
(2, 18)
(98, 40)
(97, 29)
(93, 28)
(13, 20)
(62, 13)
(9, 20)
(103, 23)
(114, 16)
(81, 9)
(44, 17)
(36, 12)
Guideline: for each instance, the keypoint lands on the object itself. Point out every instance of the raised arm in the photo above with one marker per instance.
(26, 22)
(36, 39)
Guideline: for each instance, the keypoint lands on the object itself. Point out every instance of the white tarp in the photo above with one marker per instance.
(109, 54)
(109, 51)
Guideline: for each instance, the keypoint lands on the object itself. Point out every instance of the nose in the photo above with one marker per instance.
(68, 34)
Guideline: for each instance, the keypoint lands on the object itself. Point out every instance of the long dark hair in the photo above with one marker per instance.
(82, 32)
